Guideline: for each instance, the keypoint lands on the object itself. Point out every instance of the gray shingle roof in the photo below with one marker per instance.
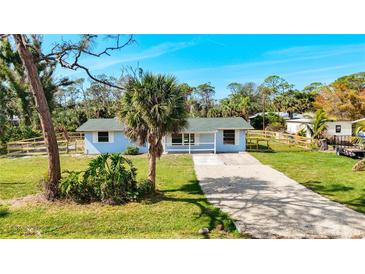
(194, 124)
(112, 124)
(212, 124)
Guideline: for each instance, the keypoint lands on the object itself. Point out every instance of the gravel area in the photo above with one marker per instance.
(267, 204)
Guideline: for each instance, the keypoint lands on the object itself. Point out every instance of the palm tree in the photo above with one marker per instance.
(319, 124)
(152, 106)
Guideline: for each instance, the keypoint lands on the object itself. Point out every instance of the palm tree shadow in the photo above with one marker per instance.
(215, 215)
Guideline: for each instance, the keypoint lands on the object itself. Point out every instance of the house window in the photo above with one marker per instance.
(103, 136)
(186, 139)
(177, 139)
(338, 128)
(228, 137)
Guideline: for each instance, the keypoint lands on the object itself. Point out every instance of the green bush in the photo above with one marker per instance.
(270, 119)
(275, 126)
(75, 187)
(110, 178)
(14, 133)
(131, 150)
(144, 188)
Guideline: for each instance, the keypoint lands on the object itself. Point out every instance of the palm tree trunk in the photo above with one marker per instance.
(54, 169)
(152, 167)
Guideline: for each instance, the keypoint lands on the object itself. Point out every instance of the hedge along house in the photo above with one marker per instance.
(200, 135)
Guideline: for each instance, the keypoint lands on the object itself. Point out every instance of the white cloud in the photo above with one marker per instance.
(318, 51)
(316, 70)
(290, 55)
(148, 53)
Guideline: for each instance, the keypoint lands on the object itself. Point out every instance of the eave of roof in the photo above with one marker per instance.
(194, 124)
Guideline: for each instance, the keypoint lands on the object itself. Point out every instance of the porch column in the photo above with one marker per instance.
(164, 144)
(189, 143)
(215, 142)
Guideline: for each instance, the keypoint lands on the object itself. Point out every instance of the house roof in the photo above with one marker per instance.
(359, 120)
(112, 124)
(310, 121)
(283, 115)
(212, 124)
(194, 124)
(303, 121)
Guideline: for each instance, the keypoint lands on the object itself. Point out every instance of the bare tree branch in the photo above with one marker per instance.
(61, 53)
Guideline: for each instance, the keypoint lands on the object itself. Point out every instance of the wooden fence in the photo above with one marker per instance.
(255, 138)
(37, 146)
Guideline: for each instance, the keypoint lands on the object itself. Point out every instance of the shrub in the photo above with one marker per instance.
(75, 187)
(359, 166)
(275, 126)
(131, 150)
(270, 119)
(110, 178)
(144, 188)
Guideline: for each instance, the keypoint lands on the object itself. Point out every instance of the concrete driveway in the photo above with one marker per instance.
(267, 204)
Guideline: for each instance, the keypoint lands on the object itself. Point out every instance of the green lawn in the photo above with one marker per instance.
(325, 173)
(179, 211)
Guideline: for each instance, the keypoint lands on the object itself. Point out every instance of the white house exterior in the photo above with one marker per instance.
(339, 128)
(295, 125)
(334, 128)
(200, 135)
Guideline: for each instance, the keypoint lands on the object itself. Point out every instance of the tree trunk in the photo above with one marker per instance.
(152, 167)
(263, 117)
(152, 155)
(54, 169)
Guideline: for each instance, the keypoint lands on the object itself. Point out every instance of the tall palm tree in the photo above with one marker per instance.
(152, 106)
(319, 124)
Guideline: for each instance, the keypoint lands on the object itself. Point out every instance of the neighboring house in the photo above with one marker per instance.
(200, 134)
(334, 128)
(295, 125)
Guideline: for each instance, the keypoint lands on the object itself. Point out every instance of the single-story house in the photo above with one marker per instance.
(334, 128)
(200, 134)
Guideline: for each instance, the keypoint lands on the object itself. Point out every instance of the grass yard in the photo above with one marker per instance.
(325, 173)
(178, 212)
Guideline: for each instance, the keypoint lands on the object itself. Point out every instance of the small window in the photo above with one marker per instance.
(228, 137)
(338, 128)
(103, 137)
(176, 139)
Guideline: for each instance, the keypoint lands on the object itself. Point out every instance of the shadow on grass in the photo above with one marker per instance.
(216, 216)
(333, 190)
(330, 190)
(4, 212)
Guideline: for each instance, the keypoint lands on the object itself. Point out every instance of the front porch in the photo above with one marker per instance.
(189, 142)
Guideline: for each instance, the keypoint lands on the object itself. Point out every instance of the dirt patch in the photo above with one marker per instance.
(30, 199)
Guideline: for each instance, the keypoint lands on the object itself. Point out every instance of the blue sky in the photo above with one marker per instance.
(222, 59)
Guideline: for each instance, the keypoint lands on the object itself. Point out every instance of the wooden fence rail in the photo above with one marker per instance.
(285, 138)
(37, 146)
